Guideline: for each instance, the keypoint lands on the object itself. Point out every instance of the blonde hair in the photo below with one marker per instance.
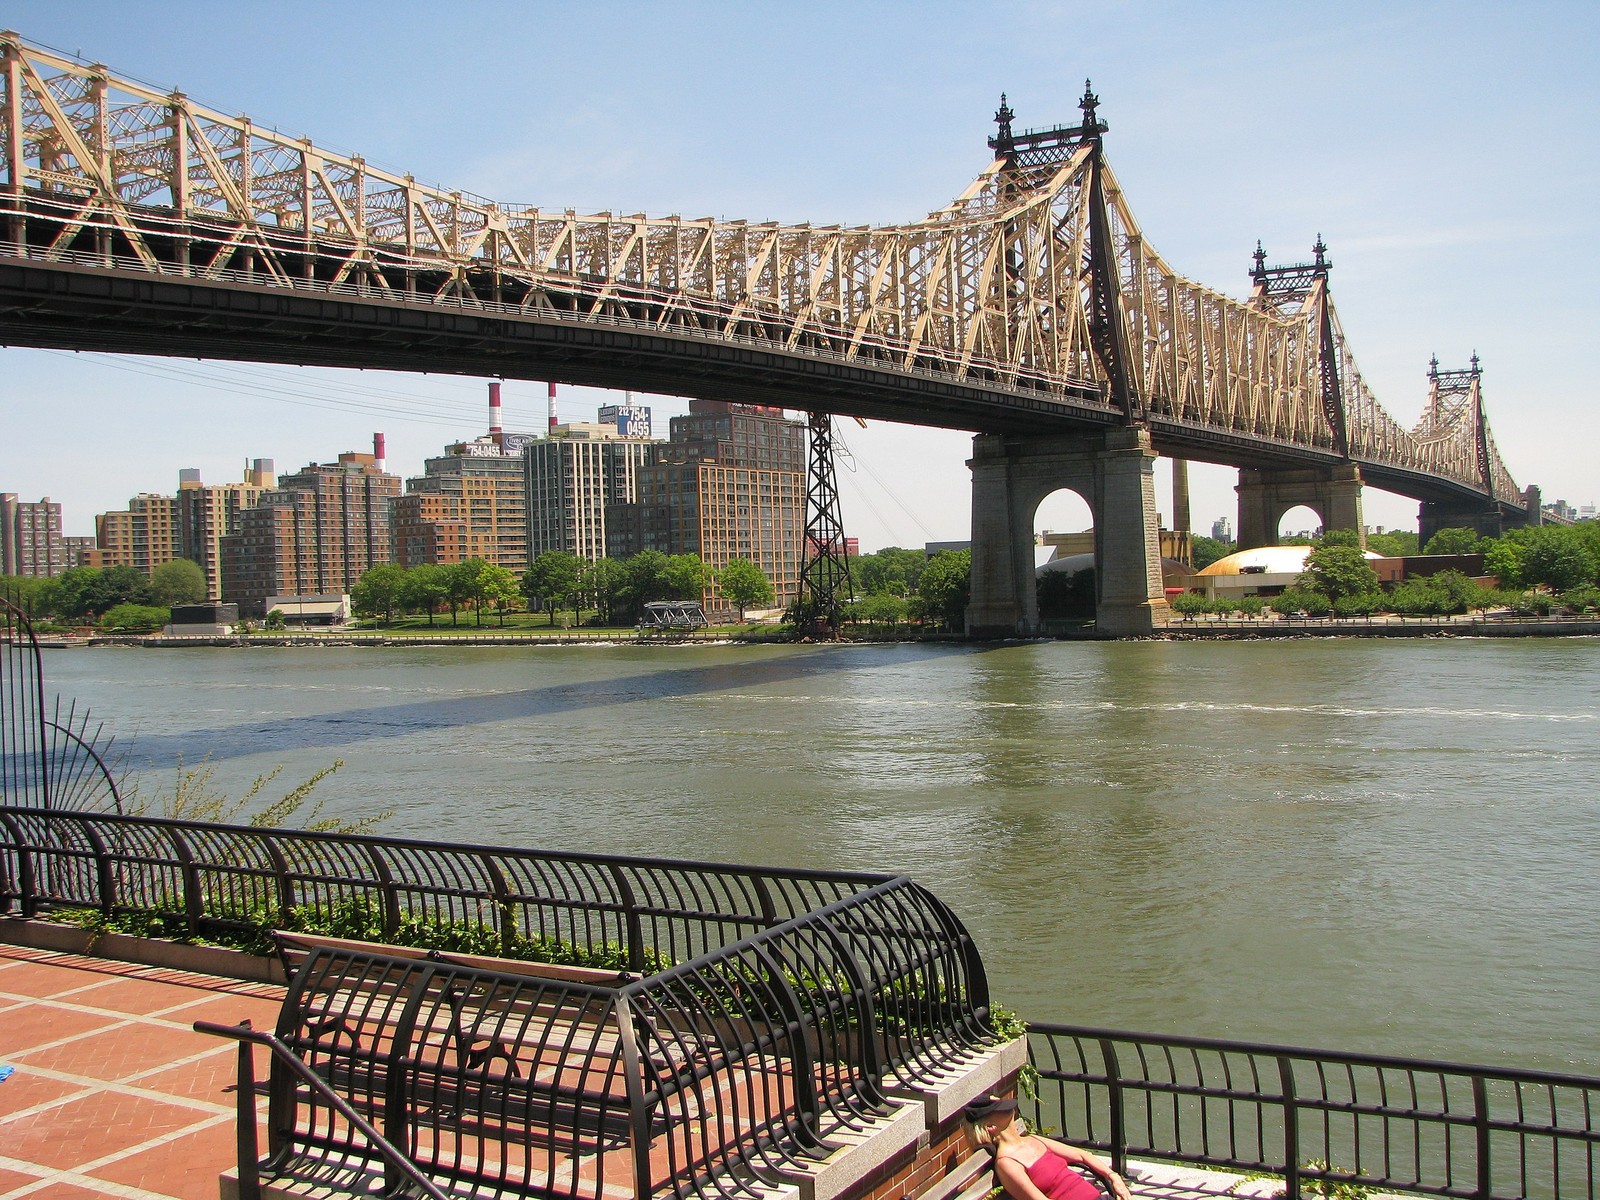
(982, 1135)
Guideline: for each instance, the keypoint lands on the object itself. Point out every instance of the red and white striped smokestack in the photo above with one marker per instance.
(378, 460)
(494, 408)
(553, 404)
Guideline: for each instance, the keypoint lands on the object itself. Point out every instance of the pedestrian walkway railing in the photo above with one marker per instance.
(1321, 1119)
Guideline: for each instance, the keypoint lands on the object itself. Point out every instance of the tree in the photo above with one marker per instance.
(1397, 543)
(1208, 550)
(1559, 558)
(1336, 567)
(379, 591)
(601, 581)
(135, 618)
(1453, 541)
(945, 585)
(880, 608)
(685, 577)
(180, 581)
(424, 589)
(745, 584)
(1502, 558)
(463, 585)
(497, 587)
(892, 571)
(552, 579)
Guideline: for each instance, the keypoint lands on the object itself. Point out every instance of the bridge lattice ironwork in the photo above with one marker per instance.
(1036, 283)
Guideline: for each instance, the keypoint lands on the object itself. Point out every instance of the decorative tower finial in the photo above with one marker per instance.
(1321, 251)
(1003, 143)
(1089, 103)
(1260, 269)
(1475, 371)
(1433, 368)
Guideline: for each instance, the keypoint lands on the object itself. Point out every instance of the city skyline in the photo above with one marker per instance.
(1441, 150)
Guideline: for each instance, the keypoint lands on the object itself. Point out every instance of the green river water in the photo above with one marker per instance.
(1390, 846)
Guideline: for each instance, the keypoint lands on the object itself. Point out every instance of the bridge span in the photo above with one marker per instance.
(1030, 310)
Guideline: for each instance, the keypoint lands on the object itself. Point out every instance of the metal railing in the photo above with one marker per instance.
(49, 757)
(706, 1079)
(214, 880)
(1321, 1118)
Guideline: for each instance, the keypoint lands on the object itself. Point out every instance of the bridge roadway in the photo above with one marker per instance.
(123, 308)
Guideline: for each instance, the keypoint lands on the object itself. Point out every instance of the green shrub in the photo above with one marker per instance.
(1190, 604)
(1359, 605)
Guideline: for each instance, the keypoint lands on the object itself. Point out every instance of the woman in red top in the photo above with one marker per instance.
(1033, 1167)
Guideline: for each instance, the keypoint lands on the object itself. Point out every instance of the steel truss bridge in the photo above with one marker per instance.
(134, 221)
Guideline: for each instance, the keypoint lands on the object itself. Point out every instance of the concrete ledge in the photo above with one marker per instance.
(860, 1153)
(149, 952)
(963, 1081)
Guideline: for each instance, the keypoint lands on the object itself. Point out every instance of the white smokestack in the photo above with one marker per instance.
(494, 409)
(553, 420)
(378, 459)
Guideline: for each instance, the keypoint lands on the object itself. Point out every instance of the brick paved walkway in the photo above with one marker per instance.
(114, 1095)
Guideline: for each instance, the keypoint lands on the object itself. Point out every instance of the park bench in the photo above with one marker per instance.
(496, 1075)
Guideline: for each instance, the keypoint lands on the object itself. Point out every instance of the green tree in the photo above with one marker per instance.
(180, 581)
(379, 591)
(1336, 567)
(135, 618)
(892, 571)
(1190, 604)
(424, 589)
(745, 584)
(642, 578)
(1208, 550)
(1397, 543)
(1560, 558)
(685, 577)
(460, 581)
(1453, 541)
(601, 581)
(496, 586)
(880, 608)
(1502, 558)
(554, 578)
(945, 586)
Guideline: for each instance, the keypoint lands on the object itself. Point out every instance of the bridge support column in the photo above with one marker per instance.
(1115, 474)
(1333, 493)
(1483, 518)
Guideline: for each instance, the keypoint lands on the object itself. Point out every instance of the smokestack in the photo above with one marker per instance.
(377, 452)
(553, 421)
(494, 408)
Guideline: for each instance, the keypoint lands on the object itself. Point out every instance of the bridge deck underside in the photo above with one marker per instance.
(72, 306)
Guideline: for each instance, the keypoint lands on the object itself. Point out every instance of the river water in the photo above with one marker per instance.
(1373, 845)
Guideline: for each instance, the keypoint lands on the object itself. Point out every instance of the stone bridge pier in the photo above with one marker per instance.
(1114, 472)
(1333, 493)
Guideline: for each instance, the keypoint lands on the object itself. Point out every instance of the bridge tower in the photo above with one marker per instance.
(1455, 401)
(1113, 471)
(825, 586)
(1333, 493)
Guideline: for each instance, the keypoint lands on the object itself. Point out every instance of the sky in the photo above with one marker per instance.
(1447, 153)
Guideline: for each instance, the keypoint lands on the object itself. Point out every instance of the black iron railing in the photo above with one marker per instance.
(705, 1079)
(49, 757)
(1321, 1118)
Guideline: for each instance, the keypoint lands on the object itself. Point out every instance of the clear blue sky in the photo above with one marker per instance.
(1447, 153)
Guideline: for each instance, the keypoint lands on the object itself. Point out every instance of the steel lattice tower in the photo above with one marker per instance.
(825, 569)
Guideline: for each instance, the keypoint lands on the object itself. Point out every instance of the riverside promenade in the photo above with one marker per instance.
(114, 1096)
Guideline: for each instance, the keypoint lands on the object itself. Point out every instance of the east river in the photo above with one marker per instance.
(1366, 845)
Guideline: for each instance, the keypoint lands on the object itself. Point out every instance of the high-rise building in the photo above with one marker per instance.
(1222, 530)
(76, 549)
(208, 512)
(142, 536)
(729, 484)
(578, 475)
(30, 537)
(314, 534)
(472, 502)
